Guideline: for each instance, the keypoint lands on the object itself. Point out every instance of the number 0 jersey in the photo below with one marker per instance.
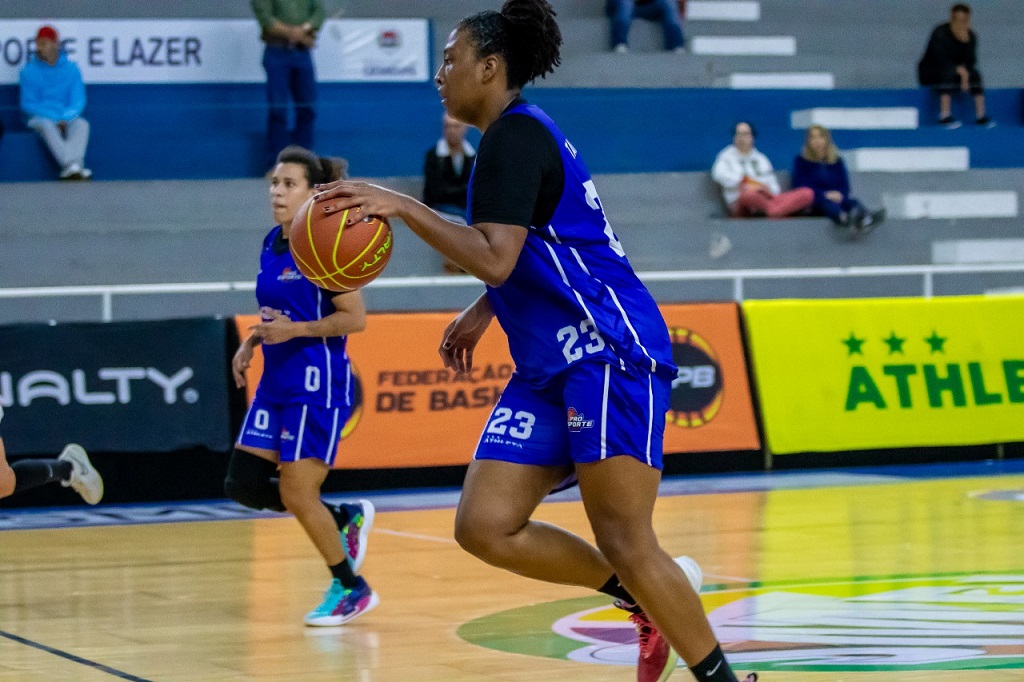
(573, 296)
(309, 370)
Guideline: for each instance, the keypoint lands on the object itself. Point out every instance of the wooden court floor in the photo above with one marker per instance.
(890, 580)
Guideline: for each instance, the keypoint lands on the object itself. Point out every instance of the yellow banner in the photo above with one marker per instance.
(875, 373)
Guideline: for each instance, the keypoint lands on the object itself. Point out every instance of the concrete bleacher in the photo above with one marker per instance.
(208, 231)
(182, 213)
(216, 131)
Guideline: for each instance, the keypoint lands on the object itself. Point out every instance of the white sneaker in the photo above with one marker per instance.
(692, 570)
(84, 478)
(86, 173)
(72, 171)
(621, 48)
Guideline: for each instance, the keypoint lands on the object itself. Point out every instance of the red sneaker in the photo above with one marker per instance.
(657, 659)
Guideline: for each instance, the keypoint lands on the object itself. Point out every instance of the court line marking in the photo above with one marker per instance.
(414, 536)
(73, 658)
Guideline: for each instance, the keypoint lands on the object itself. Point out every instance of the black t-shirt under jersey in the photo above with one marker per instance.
(519, 178)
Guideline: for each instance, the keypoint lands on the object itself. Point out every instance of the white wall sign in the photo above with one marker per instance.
(219, 50)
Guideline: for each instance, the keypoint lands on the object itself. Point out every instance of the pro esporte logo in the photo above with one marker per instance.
(698, 389)
(881, 376)
(577, 421)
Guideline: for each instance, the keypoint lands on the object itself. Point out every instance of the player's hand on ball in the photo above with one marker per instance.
(276, 327)
(462, 335)
(365, 198)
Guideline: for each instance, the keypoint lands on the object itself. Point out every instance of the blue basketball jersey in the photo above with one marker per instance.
(573, 296)
(313, 371)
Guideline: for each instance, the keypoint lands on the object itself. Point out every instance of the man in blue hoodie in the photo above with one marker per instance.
(52, 98)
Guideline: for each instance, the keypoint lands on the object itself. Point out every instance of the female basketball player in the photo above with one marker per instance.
(304, 397)
(73, 469)
(593, 358)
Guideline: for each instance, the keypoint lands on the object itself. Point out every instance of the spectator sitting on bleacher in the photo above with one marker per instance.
(668, 12)
(52, 99)
(950, 65)
(446, 171)
(820, 168)
(748, 181)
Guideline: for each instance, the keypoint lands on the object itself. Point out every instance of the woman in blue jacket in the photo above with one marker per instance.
(820, 168)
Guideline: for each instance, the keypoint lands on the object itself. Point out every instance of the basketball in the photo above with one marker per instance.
(339, 251)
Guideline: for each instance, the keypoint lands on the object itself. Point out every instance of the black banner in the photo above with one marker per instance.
(115, 387)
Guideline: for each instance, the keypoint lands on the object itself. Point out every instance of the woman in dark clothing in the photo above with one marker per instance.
(950, 65)
(820, 168)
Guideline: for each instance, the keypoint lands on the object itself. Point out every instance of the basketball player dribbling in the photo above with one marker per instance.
(71, 469)
(303, 399)
(593, 358)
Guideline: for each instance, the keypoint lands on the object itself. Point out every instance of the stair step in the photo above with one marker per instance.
(978, 251)
(777, 81)
(860, 118)
(723, 10)
(913, 205)
(908, 159)
(749, 46)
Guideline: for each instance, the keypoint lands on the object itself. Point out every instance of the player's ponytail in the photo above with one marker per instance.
(534, 39)
(319, 169)
(524, 33)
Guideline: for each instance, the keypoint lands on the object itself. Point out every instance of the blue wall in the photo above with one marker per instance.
(216, 130)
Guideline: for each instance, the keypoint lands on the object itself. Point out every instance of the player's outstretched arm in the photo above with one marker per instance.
(488, 251)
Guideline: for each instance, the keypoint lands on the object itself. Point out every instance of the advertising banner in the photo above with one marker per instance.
(115, 387)
(877, 373)
(414, 413)
(711, 405)
(219, 50)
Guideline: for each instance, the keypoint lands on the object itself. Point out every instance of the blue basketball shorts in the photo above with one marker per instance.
(592, 412)
(295, 430)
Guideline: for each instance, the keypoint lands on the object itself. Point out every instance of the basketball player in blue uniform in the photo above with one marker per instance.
(291, 432)
(593, 357)
(71, 469)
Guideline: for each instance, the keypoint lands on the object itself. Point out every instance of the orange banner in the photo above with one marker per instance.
(414, 413)
(711, 405)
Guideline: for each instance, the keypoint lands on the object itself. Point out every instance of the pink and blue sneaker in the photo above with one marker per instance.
(355, 533)
(342, 605)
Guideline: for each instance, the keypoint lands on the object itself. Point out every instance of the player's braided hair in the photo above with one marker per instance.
(524, 33)
(319, 169)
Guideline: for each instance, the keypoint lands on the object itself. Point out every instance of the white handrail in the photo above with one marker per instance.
(106, 292)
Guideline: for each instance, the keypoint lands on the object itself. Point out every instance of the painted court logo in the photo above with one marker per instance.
(698, 390)
(966, 622)
(577, 421)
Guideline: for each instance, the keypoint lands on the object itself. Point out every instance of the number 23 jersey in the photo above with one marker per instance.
(572, 296)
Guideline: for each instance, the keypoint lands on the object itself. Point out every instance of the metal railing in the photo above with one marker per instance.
(927, 273)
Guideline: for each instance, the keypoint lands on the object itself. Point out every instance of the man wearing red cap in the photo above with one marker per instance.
(52, 98)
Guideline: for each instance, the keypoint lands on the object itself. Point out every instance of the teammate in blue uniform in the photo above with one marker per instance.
(290, 435)
(592, 353)
(71, 469)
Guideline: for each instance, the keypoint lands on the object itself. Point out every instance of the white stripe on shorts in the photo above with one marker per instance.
(302, 430)
(650, 415)
(332, 446)
(604, 413)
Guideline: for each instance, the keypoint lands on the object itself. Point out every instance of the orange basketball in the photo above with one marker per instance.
(339, 251)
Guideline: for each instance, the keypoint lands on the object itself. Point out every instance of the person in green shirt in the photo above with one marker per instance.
(289, 29)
